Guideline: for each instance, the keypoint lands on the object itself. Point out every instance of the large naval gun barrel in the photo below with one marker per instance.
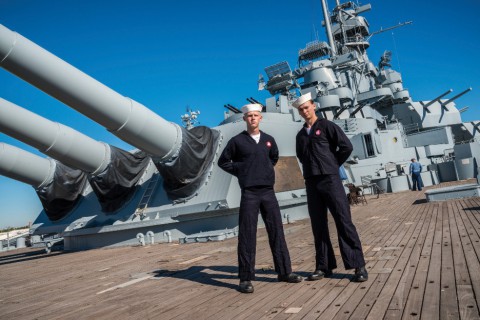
(54, 139)
(124, 117)
(58, 187)
(183, 157)
(26, 167)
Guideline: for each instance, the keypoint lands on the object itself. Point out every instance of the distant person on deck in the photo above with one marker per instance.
(251, 156)
(322, 147)
(415, 171)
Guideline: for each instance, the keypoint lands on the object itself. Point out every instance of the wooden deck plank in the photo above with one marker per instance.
(401, 246)
(430, 307)
(383, 247)
(402, 271)
(460, 264)
(364, 308)
(395, 291)
(415, 297)
(344, 296)
(467, 304)
(472, 260)
(310, 296)
(346, 308)
(447, 288)
(321, 298)
(471, 213)
(472, 205)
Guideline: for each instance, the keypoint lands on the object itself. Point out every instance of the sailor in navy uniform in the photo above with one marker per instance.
(250, 156)
(322, 147)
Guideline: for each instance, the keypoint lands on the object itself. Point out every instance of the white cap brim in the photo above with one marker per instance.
(302, 99)
(252, 107)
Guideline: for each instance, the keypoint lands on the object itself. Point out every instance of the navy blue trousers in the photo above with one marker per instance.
(326, 192)
(263, 199)
(417, 181)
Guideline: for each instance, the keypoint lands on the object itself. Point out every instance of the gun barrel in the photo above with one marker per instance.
(24, 166)
(124, 117)
(437, 98)
(457, 96)
(54, 139)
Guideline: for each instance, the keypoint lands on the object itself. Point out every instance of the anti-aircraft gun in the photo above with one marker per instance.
(196, 195)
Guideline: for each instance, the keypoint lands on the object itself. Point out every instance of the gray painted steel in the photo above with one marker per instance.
(456, 192)
(54, 139)
(24, 166)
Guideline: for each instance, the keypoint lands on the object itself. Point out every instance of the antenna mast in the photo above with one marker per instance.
(328, 27)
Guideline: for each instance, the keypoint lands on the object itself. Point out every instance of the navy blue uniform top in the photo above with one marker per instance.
(324, 150)
(251, 162)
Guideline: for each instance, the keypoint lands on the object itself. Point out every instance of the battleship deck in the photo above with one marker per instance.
(422, 258)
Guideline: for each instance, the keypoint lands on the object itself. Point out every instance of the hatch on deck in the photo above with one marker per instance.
(456, 192)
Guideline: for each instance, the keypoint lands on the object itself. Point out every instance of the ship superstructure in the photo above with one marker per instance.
(368, 100)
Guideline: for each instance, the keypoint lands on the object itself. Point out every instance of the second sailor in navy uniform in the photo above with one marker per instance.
(322, 147)
(251, 156)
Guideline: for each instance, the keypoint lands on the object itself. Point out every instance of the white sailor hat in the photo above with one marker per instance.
(252, 107)
(303, 98)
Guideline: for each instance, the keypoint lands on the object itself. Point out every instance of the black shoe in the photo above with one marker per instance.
(361, 275)
(291, 277)
(246, 286)
(319, 274)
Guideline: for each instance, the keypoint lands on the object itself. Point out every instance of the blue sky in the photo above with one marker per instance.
(201, 54)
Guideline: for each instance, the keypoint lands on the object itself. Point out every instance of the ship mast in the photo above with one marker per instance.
(328, 27)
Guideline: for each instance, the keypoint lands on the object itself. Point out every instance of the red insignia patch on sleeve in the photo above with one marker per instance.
(318, 132)
(269, 144)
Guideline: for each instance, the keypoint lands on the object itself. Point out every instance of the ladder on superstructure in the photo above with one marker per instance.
(147, 196)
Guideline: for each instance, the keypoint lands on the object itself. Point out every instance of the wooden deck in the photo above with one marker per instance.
(422, 258)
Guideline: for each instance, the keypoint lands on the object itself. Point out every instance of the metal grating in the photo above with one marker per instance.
(277, 69)
(313, 50)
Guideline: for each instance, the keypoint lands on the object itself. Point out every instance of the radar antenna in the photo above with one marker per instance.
(189, 119)
(385, 60)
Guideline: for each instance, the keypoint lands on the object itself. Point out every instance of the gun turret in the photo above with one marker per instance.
(132, 122)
